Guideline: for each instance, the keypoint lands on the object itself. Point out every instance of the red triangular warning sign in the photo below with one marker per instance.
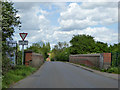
(23, 35)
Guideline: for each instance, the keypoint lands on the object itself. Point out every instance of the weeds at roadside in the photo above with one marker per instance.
(115, 70)
(16, 74)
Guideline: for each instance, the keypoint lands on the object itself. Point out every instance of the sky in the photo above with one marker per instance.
(58, 22)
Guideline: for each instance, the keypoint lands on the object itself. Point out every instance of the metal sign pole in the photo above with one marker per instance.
(16, 54)
(23, 36)
(22, 53)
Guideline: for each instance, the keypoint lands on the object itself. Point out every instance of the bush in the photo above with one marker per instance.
(114, 70)
(18, 73)
(103, 70)
(110, 70)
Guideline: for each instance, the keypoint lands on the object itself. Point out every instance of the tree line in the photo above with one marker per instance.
(81, 44)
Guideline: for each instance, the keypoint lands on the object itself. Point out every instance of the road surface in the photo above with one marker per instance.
(65, 75)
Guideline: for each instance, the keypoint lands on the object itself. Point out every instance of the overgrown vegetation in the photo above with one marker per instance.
(41, 48)
(16, 74)
(115, 70)
(60, 52)
(9, 21)
(83, 44)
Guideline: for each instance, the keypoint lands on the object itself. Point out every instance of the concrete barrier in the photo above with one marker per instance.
(100, 60)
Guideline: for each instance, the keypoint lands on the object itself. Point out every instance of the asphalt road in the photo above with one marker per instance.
(65, 75)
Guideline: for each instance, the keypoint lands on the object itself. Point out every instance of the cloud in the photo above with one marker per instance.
(102, 34)
(88, 14)
(32, 17)
(34, 21)
(92, 5)
(75, 18)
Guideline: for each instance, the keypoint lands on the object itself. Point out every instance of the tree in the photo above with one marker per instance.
(60, 52)
(40, 47)
(9, 22)
(81, 44)
(115, 48)
(101, 47)
(60, 45)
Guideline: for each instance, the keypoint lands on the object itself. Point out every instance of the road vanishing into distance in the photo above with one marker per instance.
(65, 75)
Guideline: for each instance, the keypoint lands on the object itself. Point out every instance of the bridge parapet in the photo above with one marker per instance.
(99, 60)
(33, 59)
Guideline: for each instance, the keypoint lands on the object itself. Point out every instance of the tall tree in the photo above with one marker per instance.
(101, 47)
(81, 44)
(9, 22)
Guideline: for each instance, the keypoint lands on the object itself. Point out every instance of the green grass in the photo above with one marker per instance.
(16, 74)
(115, 70)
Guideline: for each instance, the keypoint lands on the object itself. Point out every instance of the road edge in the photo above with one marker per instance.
(11, 86)
(109, 75)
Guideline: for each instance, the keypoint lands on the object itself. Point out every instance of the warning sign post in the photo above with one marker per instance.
(23, 36)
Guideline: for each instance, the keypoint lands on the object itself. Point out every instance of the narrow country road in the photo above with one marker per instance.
(65, 75)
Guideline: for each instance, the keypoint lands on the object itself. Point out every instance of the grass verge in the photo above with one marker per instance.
(114, 70)
(16, 74)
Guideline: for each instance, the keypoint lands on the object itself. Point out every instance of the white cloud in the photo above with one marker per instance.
(34, 22)
(43, 11)
(31, 15)
(102, 34)
(92, 5)
(88, 14)
(75, 19)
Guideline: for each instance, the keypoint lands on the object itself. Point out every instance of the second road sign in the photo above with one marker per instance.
(21, 42)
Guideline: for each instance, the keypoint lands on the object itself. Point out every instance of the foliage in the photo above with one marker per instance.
(9, 22)
(83, 44)
(115, 59)
(101, 47)
(52, 56)
(40, 47)
(19, 58)
(115, 48)
(115, 51)
(60, 52)
(16, 74)
(113, 70)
